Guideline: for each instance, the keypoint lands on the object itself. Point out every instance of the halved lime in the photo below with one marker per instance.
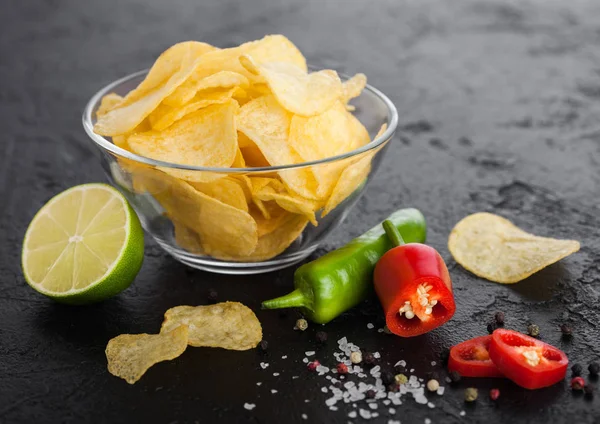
(85, 245)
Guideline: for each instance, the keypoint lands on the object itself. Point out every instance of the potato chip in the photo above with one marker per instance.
(227, 190)
(274, 190)
(301, 93)
(267, 124)
(352, 87)
(192, 87)
(357, 170)
(170, 70)
(130, 355)
(224, 230)
(187, 238)
(206, 137)
(228, 325)
(163, 116)
(494, 248)
(276, 217)
(108, 103)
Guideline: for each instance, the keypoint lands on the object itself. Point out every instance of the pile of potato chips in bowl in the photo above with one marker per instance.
(240, 160)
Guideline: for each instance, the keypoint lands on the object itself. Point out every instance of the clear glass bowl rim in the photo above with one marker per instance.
(103, 143)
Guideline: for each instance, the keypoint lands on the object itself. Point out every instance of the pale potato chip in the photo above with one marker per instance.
(170, 70)
(192, 88)
(163, 116)
(239, 161)
(290, 202)
(130, 355)
(356, 172)
(301, 93)
(206, 137)
(186, 238)
(223, 229)
(494, 248)
(227, 190)
(276, 217)
(108, 103)
(352, 87)
(267, 124)
(228, 325)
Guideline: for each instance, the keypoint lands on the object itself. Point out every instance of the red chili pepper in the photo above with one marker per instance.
(472, 358)
(528, 362)
(413, 286)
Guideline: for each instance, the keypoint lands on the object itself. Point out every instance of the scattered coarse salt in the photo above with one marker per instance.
(427, 421)
(386, 402)
(295, 377)
(284, 357)
(249, 406)
(392, 411)
(401, 363)
(364, 413)
(275, 374)
(305, 360)
(375, 370)
(273, 391)
(412, 370)
(309, 353)
(258, 383)
(433, 363)
(264, 365)
(376, 355)
(361, 375)
(370, 326)
(440, 391)
(333, 408)
(306, 400)
(373, 405)
(324, 389)
(393, 422)
(431, 405)
(352, 414)
(462, 413)
(304, 417)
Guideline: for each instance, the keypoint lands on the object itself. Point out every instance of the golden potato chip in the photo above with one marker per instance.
(239, 161)
(186, 238)
(130, 355)
(163, 116)
(186, 92)
(206, 137)
(108, 103)
(494, 248)
(267, 124)
(227, 190)
(352, 87)
(170, 70)
(223, 229)
(277, 216)
(228, 325)
(301, 93)
(292, 203)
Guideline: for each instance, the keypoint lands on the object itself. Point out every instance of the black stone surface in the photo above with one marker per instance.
(500, 106)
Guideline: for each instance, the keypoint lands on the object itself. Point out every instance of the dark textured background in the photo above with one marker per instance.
(506, 101)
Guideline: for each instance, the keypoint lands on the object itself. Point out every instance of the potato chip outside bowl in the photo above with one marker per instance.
(243, 220)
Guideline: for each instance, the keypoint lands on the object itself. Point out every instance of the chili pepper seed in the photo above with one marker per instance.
(533, 330)
(471, 394)
(594, 369)
(321, 336)
(576, 370)
(433, 385)
(342, 368)
(312, 366)
(494, 394)
(577, 383)
(301, 324)
(356, 357)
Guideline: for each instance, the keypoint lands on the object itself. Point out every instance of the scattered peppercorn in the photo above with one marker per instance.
(371, 394)
(387, 377)
(471, 394)
(491, 327)
(264, 345)
(321, 336)
(400, 379)
(356, 357)
(499, 317)
(338, 384)
(594, 369)
(588, 389)
(301, 324)
(313, 365)
(533, 330)
(212, 295)
(342, 368)
(577, 383)
(566, 330)
(433, 385)
(454, 377)
(576, 370)
(369, 358)
(494, 394)
(393, 387)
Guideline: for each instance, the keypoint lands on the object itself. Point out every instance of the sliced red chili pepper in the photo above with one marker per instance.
(413, 286)
(472, 358)
(528, 362)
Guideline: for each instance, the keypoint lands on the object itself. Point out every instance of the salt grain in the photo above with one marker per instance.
(258, 383)
(392, 411)
(309, 353)
(305, 360)
(249, 406)
(431, 405)
(386, 402)
(324, 389)
(352, 414)
(364, 413)
(380, 330)
(273, 391)
(306, 400)
(393, 422)
(304, 416)
(433, 363)
(401, 363)
(333, 408)
(295, 377)
(427, 421)
(275, 374)
(370, 326)
(440, 390)
(462, 413)
(264, 365)
(373, 405)
(376, 355)
(284, 357)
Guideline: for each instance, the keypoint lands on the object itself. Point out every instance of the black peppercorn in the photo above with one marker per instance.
(321, 336)
(212, 295)
(566, 330)
(264, 345)
(338, 384)
(392, 387)
(588, 389)
(387, 377)
(499, 317)
(368, 358)
(594, 369)
(491, 327)
(576, 370)
(371, 394)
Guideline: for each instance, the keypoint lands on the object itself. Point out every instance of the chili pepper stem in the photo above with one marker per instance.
(294, 299)
(392, 232)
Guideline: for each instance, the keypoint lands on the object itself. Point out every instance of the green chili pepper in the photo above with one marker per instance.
(338, 281)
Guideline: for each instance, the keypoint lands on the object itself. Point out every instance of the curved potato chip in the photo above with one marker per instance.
(186, 238)
(108, 103)
(277, 216)
(352, 87)
(228, 325)
(206, 137)
(289, 202)
(298, 92)
(130, 355)
(227, 190)
(223, 229)
(169, 71)
(267, 124)
(163, 116)
(186, 92)
(494, 248)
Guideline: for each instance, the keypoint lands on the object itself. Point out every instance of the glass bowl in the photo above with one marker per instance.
(188, 225)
